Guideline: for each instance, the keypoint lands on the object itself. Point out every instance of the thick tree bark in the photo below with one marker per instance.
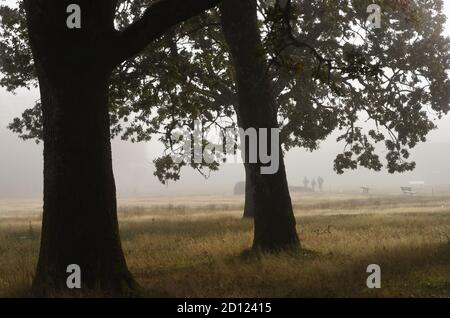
(80, 215)
(250, 199)
(275, 226)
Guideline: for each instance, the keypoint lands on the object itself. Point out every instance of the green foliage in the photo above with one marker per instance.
(30, 125)
(16, 63)
(166, 169)
(383, 85)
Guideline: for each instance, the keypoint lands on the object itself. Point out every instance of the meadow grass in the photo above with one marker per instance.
(202, 250)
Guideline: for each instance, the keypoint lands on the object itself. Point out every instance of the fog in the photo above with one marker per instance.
(21, 163)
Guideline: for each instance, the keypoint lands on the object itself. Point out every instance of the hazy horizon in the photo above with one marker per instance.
(21, 162)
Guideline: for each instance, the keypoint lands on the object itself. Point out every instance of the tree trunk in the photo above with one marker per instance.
(80, 216)
(275, 226)
(249, 198)
(80, 223)
(249, 206)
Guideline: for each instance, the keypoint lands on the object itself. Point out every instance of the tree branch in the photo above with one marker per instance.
(156, 21)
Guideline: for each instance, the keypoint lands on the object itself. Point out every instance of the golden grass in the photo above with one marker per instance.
(194, 249)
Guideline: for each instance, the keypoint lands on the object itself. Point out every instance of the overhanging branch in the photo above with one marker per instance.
(156, 21)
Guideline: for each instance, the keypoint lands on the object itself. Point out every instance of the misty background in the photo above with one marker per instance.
(21, 162)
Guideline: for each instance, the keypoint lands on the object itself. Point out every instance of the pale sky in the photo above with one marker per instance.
(21, 162)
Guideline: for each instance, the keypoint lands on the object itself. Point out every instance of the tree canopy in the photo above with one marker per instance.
(380, 88)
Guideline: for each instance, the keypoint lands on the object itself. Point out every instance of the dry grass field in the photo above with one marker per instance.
(188, 247)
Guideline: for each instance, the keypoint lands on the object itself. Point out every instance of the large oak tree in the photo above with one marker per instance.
(328, 71)
(74, 67)
(275, 226)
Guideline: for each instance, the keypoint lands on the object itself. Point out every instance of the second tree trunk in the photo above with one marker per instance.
(275, 226)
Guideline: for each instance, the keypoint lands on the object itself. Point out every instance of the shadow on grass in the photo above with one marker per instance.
(406, 272)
